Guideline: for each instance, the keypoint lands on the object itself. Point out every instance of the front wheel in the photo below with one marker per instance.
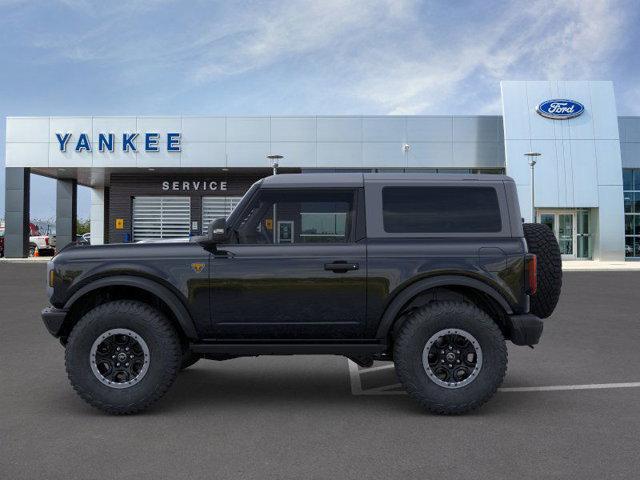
(122, 356)
(450, 356)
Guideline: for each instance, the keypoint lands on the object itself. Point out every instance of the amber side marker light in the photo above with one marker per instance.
(532, 274)
(52, 277)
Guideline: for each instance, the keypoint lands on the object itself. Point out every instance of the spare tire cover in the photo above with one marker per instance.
(542, 242)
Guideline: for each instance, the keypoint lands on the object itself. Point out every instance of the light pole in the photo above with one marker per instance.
(532, 163)
(274, 163)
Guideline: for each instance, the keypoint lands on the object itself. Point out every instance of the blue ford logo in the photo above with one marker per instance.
(560, 109)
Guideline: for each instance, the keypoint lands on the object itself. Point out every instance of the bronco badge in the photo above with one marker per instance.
(197, 267)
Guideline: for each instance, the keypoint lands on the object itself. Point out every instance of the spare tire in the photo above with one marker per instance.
(542, 242)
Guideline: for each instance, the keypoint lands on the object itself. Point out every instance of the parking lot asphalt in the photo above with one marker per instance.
(295, 417)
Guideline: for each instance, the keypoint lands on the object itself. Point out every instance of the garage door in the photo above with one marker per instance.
(214, 207)
(161, 217)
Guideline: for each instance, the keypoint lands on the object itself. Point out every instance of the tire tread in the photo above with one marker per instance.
(406, 337)
(164, 329)
(542, 242)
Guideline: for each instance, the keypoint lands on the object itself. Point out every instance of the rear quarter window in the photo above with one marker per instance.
(441, 209)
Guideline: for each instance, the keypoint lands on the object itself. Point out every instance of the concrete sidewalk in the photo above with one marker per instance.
(595, 265)
(26, 260)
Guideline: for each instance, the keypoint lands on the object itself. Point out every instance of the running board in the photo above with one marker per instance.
(289, 348)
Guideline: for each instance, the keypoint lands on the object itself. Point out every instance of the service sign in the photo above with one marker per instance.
(106, 142)
(560, 109)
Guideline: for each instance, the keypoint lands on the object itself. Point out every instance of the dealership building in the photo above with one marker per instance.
(160, 177)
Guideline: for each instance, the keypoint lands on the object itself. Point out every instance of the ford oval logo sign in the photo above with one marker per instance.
(560, 109)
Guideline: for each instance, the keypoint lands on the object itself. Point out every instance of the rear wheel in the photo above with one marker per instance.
(542, 242)
(122, 356)
(450, 356)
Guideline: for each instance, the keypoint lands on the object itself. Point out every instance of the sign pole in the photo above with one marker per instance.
(274, 162)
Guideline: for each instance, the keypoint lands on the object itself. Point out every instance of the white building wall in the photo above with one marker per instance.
(229, 142)
(97, 216)
(580, 166)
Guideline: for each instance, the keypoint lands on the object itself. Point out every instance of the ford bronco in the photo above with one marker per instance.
(432, 272)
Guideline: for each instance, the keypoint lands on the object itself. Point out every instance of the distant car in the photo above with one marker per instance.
(84, 239)
(44, 243)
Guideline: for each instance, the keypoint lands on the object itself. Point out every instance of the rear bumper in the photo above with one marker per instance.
(525, 329)
(53, 319)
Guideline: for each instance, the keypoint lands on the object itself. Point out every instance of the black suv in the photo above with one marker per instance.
(433, 272)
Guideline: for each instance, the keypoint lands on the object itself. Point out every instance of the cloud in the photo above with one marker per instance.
(391, 56)
(540, 40)
(264, 35)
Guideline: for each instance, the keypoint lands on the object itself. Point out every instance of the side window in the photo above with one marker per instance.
(441, 210)
(297, 216)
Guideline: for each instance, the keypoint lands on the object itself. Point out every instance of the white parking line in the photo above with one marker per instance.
(551, 388)
(393, 389)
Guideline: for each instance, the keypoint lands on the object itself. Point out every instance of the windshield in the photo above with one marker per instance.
(243, 203)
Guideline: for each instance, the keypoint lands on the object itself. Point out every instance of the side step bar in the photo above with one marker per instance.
(289, 348)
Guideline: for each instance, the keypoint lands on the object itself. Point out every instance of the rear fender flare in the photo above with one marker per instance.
(163, 293)
(411, 291)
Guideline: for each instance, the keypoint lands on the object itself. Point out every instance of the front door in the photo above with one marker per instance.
(292, 270)
(563, 225)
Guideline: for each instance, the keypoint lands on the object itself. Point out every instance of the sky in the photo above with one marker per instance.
(81, 57)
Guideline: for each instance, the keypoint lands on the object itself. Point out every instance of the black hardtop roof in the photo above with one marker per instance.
(289, 180)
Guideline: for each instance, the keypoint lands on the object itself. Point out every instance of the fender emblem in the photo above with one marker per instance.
(197, 267)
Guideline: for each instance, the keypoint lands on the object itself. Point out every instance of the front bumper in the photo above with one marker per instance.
(53, 319)
(525, 329)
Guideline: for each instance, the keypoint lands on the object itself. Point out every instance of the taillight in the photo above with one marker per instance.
(46, 240)
(532, 274)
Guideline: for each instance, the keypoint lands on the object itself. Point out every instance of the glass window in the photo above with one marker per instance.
(328, 224)
(297, 216)
(628, 247)
(440, 210)
(628, 202)
(629, 224)
(627, 178)
(584, 235)
(636, 179)
(631, 181)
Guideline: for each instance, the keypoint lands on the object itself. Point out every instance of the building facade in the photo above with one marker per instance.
(160, 177)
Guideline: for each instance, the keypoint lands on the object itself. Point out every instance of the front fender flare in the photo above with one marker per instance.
(167, 296)
(409, 292)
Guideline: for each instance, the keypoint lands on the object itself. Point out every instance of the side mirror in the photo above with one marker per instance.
(218, 230)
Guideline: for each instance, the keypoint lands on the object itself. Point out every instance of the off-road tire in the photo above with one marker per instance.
(164, 352)
(414, 334)
(542, 242)
(188, 359)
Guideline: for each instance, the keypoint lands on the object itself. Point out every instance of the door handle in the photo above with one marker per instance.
(341, 266)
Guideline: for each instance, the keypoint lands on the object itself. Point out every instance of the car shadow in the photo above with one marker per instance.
(205, 388)
(210, 387)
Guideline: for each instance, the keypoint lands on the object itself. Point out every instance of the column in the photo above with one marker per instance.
(97, 216)
(66, 212)
(17, 190)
